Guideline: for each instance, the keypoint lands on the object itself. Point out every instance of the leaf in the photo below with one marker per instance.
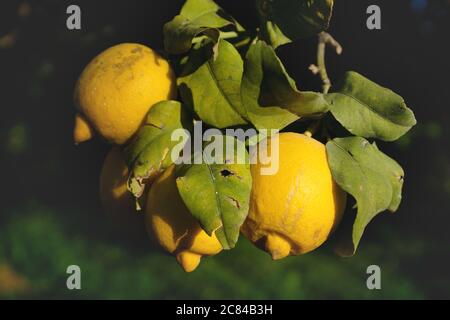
(196, 18)
(149, 153)
(368, 110)
(211, 87)
(180, 32)
(370, 176)
(205, 12)
(217, 194)
(283, 21)
(396, 176)
(270, 98)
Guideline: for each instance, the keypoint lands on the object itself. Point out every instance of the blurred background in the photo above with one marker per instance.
(50, 215)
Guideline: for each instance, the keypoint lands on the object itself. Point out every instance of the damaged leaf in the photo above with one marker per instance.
(150, 151)
(217, 193)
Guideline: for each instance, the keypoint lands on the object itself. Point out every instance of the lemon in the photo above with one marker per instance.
(117, 88)
(173, 226)
(116, 200)
(294, 210)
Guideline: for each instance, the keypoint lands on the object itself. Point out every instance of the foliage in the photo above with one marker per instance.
(229, 83)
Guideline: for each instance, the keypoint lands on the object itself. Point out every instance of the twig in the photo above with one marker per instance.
(324, 39)
(243, 42)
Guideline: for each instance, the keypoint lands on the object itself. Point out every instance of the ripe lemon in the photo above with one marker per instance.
(294, 210)
(176, 230)
(117, 88)
(116, 200)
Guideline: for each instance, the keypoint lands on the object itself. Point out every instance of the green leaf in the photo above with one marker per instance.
(270, 98)
(180, 32)
(197, 18)
(205, 12)
(370, 176)
(149, 153)
(368, 110)
(211, 87)
(396, 176)
(283, 21)
(217, 194)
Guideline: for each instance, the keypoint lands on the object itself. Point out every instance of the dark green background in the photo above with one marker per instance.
(50, 215)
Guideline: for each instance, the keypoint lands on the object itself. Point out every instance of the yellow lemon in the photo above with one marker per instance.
(117, 88)
(116, 200)
(173, 226)
(295, 209)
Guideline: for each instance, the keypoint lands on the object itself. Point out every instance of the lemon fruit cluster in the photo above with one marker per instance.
(292, 211)
(116, 90)
(296, 209)
(113, 95)
(231, 81)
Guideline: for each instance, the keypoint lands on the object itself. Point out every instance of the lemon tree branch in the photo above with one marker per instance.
(324, 40)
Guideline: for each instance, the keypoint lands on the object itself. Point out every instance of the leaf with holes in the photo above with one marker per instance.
(283, 21)
(368, 110)
(198, 18)
(150, 151)
(211, 87)
(270, 98)
(217, 190)
(370, 176)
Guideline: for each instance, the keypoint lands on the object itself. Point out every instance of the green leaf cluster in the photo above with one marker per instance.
(230, 77)
(366, 110)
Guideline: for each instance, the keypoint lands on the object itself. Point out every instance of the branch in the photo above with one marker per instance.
(324, 39)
